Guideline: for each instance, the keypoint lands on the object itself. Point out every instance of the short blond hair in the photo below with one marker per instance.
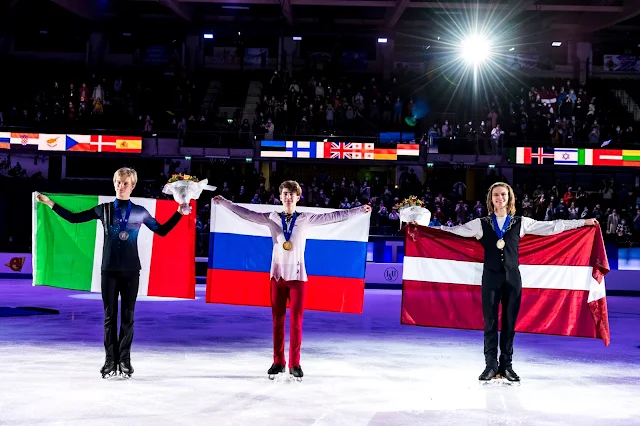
(292, 186)
(511, 204)
(124, 173)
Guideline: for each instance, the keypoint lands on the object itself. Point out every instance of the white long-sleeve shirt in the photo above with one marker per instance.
(530, 226)
(289, 265)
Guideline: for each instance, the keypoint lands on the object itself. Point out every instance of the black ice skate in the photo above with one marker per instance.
(275, 370)
(126, 370)
(488, 374)
(108, 369)
(511, 377)
(296, 372)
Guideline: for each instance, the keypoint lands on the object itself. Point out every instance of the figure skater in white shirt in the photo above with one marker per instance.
(500, 233)
(288, 273)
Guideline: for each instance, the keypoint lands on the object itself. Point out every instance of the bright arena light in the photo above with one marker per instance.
(475, 49)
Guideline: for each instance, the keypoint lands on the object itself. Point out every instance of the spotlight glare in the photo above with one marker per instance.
(512, 49)
(556, 44)
(475, 49)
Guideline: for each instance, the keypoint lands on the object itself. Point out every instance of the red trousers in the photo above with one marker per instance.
(281, 291)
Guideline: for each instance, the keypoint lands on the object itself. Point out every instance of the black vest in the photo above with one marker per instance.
(494, 258)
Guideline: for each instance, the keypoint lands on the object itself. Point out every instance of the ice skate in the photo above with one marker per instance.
(126, 370)
(275, 370)
(296, 373)
(489, 375)
(510, 377)
(108, 370)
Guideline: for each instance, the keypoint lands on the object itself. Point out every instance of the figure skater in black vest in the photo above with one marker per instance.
(500, 233)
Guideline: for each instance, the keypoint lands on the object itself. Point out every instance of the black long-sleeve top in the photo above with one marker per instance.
(118, 255)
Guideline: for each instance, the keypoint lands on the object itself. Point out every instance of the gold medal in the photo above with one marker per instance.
(500, 244)
(124, 236)
(287, 245)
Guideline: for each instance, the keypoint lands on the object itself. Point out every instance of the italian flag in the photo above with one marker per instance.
(69, 256)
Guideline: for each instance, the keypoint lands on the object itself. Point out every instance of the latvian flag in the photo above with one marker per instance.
(69, 256)
(562, 278)
(240, 261)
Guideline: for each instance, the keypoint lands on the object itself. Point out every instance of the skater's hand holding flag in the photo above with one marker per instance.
(562, 276)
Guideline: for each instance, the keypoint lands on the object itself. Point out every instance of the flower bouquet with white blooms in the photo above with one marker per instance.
(412, 210)
(185, 188)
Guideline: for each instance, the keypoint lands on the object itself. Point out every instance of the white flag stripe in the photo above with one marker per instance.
(145, 247)
(557, 277)
(276, 154)
(225, 221)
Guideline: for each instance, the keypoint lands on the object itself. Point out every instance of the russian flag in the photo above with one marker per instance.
(240, 261)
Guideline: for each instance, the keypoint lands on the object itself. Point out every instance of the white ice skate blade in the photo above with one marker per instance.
(498, 381)
(110, 376)
(280, 377)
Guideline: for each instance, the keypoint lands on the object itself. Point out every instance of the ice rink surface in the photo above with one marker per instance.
(203, 364)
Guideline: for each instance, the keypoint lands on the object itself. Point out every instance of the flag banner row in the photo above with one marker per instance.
(71, 142)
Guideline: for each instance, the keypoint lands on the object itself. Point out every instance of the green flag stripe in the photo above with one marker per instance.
(64, 251)
(581, 159)
(630, 157)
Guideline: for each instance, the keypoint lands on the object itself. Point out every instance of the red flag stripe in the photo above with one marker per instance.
(173, 269)
(441, 305)
(253, 288)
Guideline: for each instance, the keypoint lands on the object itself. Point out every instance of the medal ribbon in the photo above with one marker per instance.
(288, 230)
(500, 232)
(123, 222)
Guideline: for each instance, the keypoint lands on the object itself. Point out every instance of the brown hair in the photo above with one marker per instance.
(511, 204)
(126, 172)
(292, 186)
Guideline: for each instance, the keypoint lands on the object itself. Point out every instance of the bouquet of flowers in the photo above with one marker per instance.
(186, 188)
(412, 210)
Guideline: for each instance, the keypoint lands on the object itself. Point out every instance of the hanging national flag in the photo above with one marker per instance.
(408, 149)
(562, 278)
(5, 140)
(48, 142)
(565, 156)
(305, 149)
(25, 140)
(585, 157)
(542, 155)
(520, 155)
(274, 149)
(80, 143)
(240, 261)
(69, 256)
(631, 158)
(381, 154)
(607, 157)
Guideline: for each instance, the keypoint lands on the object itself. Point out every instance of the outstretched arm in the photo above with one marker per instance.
(79, 217)
(536, 227)
(472, 228)
(161, 229)
(337, 216)
(261, 218)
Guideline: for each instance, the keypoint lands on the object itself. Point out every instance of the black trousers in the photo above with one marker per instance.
(500, 287)
(125, 285)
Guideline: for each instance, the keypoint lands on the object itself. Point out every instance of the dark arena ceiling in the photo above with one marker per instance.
(548, 19)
